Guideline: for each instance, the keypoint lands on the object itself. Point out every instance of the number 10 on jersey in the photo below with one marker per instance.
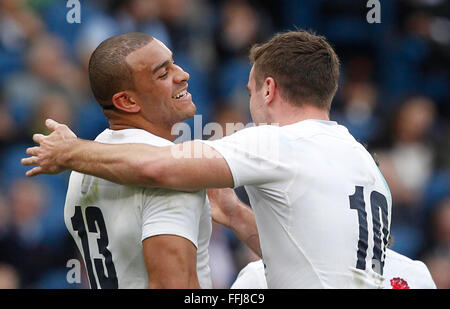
(380, 228)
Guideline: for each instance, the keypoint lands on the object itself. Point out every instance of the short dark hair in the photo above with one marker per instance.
(109, 73)
(304, 66)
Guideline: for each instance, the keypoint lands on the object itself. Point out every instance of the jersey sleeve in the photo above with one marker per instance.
(251, 277)
(423, 276)
(172, 213)
(252, 154)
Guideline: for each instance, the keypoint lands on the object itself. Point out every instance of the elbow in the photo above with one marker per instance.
(152, 174)
(161, 171)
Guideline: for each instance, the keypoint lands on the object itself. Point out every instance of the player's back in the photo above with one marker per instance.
(109, 221)
(324, 216)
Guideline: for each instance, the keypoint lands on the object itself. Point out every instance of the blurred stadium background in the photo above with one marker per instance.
(393, 97)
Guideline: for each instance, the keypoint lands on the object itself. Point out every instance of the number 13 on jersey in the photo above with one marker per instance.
(94, 219)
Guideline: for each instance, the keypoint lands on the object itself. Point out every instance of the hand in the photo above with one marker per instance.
(48, 155)
(224, 205)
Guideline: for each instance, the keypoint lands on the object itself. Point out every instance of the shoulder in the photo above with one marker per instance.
(399, 263)
(75, 179)
(395, 256)
(257, 141)
(253, 132)
(132, 136)
(311, 127)
(414, 273)
(172, 198)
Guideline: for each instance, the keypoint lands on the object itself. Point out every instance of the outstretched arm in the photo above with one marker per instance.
(189, 166)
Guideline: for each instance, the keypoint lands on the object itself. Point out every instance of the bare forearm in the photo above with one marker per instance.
(121, 164)
(243, 225)
(145, 165)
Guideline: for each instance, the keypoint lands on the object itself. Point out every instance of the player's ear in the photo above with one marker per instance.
(125, 101)
(269, 88)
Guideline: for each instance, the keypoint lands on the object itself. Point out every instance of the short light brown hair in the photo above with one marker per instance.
(109, 72)
(304, 66)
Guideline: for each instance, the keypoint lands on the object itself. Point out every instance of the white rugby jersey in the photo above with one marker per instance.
(399, 272)
(109, 221)
(321, 205)
(251, 277)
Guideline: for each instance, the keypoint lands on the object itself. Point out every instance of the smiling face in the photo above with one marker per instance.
(160, 86)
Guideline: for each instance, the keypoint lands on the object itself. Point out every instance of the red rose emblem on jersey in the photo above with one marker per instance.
(399, 284)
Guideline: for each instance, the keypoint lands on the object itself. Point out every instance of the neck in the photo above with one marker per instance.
(131, 123)
(294, 114)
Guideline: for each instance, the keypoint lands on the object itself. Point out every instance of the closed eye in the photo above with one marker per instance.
(167, 66)
(164, 75)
